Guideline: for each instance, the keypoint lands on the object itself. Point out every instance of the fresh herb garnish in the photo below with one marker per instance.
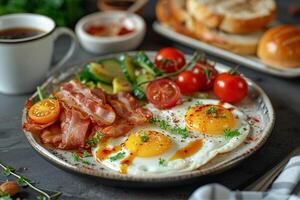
(212, 110)
(95, 139)
(22, 181)
(8, 170)
(76, 158)
(40, 93)
(5, 197)
(162, 162)
(86, 154)
(41, 197)
(223, 116)
(231, 133)
(167, 127)
(118, 156)
(144, 137)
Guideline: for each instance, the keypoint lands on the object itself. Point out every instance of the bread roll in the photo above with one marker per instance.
(233, 16)
(280, 46)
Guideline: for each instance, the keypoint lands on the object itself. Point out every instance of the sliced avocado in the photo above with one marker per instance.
(121, 84)
(100, 73)
(128, 68)
(143, 78)
(106, 88)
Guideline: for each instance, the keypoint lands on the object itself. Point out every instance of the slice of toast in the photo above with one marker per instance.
(233, 16)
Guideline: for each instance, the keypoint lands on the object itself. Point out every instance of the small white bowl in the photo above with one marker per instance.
(110, 44)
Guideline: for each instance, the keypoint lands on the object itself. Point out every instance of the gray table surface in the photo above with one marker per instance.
(284, 94)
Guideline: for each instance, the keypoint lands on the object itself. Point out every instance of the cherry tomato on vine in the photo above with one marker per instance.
(231, 88)
(169, 60)
(163, 93)
(207, 72)
(188, 82)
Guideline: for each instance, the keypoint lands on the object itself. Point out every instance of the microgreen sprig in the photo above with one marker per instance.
(22, 181)
(228, 133)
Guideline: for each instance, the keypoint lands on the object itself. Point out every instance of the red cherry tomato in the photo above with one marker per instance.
(169, 60)
(207, 72)
(163, 93)
(188, 82)
(231, 88)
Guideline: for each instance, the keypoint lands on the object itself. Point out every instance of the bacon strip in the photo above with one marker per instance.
(73, 94)
(52, 135)
(74, 128)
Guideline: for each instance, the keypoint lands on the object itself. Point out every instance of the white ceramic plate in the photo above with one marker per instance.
(256, 106)
(252, 62)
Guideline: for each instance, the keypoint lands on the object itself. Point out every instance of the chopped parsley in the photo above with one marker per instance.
(41, 197)
(223, 116)
(95, 139)
(76, 158)
(144, 137)
(118, 156)
(167, 127)
(231, 133)
(86, 154)
(162, 162)
(212, 110)
(40, 93)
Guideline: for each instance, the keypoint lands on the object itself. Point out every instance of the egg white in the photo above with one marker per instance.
(212, 145)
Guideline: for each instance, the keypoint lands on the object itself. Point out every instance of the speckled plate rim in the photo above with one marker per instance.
(218, 168)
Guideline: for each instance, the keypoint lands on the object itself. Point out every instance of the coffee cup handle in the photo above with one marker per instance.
(73, 46)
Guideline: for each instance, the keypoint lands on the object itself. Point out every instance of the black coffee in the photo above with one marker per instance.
(19, 33)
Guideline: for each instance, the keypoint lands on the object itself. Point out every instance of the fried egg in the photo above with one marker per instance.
(212, 128)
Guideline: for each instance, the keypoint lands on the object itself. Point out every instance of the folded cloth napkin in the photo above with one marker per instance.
(282, 188)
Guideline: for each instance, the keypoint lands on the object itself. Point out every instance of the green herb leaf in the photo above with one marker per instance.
(41, 197)
(22, 181)
(165, 126)
(75, 157)
(86, 154)
(199, 103)
(212, 110)
(6, 197)
(7, 171)
(231, 133)
(95, 139)
(144, 137)
(40, 93)
(162, 162)
(118, 156)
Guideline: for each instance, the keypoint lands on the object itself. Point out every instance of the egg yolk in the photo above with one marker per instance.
(210, 119)
(148, 143)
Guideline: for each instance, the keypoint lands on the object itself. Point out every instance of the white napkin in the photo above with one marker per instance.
(281, 188)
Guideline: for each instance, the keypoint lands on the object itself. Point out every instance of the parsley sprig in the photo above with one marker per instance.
(231, 133)
(76, 158)
(212, 110)
(144, 137)
(118, 156)
(167, 127)
(162, 162)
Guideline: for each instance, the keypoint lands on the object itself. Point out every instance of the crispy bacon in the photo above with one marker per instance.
(119, 128)
(73, 94)
(52, 135)
(74, 127)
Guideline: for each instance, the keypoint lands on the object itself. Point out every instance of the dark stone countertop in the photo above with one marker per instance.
(284, 94)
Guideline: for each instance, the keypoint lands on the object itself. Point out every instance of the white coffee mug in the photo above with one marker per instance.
(25, 62)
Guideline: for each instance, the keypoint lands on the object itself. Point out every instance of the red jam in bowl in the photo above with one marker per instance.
(107, 31)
